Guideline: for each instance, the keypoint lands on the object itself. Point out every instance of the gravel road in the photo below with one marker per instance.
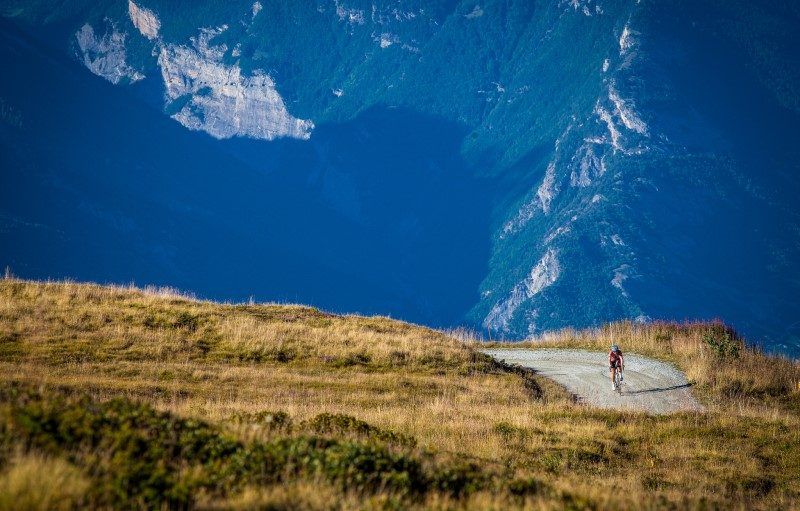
(649, 385)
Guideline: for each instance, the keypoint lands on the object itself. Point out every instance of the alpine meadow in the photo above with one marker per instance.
(149, 399)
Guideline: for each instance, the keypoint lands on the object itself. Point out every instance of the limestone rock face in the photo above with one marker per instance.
(144, 20)
(543, 275)
(219, 99)
(202, 92)
(105, 55)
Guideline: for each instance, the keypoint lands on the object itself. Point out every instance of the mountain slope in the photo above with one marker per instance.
(133, 196)
(519, 166)
(678, 187)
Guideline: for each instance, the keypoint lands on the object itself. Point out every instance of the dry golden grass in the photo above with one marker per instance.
(32, 482)
(214, 361)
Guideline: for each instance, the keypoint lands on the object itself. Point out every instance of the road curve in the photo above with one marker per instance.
(650, 385)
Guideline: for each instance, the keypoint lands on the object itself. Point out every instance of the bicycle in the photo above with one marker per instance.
(618, 379)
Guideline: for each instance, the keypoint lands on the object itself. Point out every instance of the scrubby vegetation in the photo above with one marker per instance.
(115, 397)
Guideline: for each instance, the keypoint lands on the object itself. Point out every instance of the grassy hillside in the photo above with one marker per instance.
(146, 398)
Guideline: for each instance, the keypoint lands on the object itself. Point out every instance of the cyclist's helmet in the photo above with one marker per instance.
(614, 348)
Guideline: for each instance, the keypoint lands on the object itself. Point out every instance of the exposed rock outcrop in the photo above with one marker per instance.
(144, 20)
(105, 55)
(219, 99)
(543, 275)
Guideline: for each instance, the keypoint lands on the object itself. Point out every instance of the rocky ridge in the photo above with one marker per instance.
(201, 91)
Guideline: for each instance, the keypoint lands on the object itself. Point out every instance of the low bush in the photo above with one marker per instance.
(140, 457)
(326, 423)
(274, 421)
(460, 479)
(524, 487)
(723, 343)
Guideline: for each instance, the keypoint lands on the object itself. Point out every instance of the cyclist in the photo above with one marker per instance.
(616, 362)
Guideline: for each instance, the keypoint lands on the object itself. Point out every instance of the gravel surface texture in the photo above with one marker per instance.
(649, 385)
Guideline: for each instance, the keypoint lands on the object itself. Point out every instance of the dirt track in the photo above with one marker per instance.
(651, 386)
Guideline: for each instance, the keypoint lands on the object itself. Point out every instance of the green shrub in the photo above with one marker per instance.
(136, 453)
(652, 482)
(187, 321)
(354, 466)
(353, 359)
(274, 421)
(524, 487)
(398, 358)
(723, 343)
(284, 355)
(552, 462)
(326, 423)
(281, 355)
(572, 502)
(204, 345)
(460, 479)
(139, 457)
(11, 345)
(509, 431)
